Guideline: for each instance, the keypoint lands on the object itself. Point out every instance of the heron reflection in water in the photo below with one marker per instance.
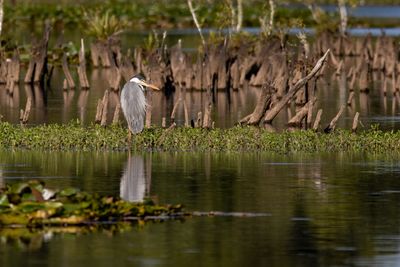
(136, 179)
(133, 102)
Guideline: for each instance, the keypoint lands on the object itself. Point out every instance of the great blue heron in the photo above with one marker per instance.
(133, 102)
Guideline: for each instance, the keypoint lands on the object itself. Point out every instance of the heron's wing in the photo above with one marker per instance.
(133, 104)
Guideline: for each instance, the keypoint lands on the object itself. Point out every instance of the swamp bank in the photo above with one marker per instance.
(91, 138)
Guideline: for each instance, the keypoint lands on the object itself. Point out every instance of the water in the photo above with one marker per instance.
(322, 209)
(370, 11)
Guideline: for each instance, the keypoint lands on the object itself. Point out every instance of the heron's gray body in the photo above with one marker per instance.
(133, 104)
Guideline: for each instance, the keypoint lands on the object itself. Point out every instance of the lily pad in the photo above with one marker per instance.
(70, 207)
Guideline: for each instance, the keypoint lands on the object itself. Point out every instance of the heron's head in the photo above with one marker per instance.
(140, 80)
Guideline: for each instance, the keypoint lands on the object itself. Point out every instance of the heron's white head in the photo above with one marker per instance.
(139, 79)
(135, 80)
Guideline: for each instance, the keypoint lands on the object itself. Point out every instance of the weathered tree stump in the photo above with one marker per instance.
(317, 120)
(350, 99)
(271, 114)
(24, 114)
(67, 73)
(117, 113)
(332, 125)
(295, 121)
(355, 122)
(83, 80)
(262, 104)
(38, 63)
(149, 108)
(104, 104)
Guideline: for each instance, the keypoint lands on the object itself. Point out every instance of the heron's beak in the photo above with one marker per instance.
(149, 85)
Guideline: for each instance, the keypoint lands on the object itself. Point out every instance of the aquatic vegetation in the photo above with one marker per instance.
(31, 204)
(73, 136)
(161, 14)
(103, 26)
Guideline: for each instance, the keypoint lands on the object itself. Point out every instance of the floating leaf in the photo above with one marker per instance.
(68, 192)
(4, 200)
(28, 197)
(10, 219)
(27, 207)
(72, 207)
(19, 188)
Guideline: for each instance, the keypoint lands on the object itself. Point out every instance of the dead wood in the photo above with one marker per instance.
(117, 112)
(163, 122)
(207, 116)
(317, 120)
(263, 102)
(37, 68)
(105, 108)
(149, 108)
(65, 85)
(350, 99)
(295, 121)
(83, 80)
(332, 125)
(175, 109)
(199, 121)
(185, 110)
(24, 114)
(67, 73)
(99, 111)
(271, 114)
(355, 122)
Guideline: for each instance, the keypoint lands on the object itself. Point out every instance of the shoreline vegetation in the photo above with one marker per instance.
(73, 136)
(141, 14)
